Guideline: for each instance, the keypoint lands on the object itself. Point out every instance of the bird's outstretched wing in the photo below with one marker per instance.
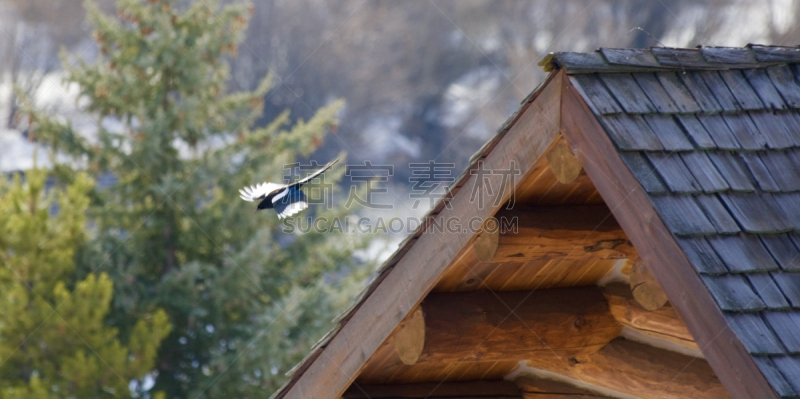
(315, 174)
(290, 204)
(259, 191)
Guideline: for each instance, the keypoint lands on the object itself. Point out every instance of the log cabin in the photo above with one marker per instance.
(655, 251)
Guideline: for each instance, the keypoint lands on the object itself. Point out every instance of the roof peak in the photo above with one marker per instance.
(668, 58)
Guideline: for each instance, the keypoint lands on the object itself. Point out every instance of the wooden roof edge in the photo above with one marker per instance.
(634, 211)
(654, 59)
(319, 367)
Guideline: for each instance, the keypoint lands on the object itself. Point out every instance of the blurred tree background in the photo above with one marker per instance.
(243, 300)
(55, 340)
(165, 105)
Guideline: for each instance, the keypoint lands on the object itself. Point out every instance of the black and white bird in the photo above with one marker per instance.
(286, 199)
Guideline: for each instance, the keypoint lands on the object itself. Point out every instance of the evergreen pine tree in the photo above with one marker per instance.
(245, 300)
(53, 339)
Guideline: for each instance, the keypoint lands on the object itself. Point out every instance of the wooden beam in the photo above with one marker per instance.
(574, 232)
(565, 165)
(333, 366)
(468, 389)
(664, 323)
(539, 388)
(635, 213)
(645, 288)
(639, 370)
(493, 326)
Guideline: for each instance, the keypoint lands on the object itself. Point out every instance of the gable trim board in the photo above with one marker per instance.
(564, 106)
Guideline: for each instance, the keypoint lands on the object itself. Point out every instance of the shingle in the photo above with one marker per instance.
(679, 93)
(680, 57)
(775, 128)
(789, 203)
(763, 86)
(628, 93)
(626, 56)
(630, 132)
(782, 169)
(760, 172)
(696, 131)
(733, 293)
(732, 169)
(702, 94)
(704, 172)
(683, 216)
(743, 253)
(579, 62)
(644, 172)
(720, 90)
(756, 213)
(717, 214)
(768, 291)
(719, 132)
(598, 95)
(794, 158)
(655, 92)
(792, 122)
(674, 172)
(728, 55)
(755, 334)
(702, 256)
(746, 133)
(668, 131)
(783, 250)
(774, 377)
(741, 89)
(787, 327)
(789, 283)
(776, 53)
(787, 85)
(789, 366)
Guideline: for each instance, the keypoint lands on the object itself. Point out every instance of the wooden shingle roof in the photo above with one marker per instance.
(713, 136)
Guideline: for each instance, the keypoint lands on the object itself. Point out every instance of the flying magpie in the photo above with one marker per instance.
(285, 199)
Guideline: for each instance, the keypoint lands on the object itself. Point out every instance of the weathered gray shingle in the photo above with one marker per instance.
(775, 377)
(738, 85)
(743, 253)
(768, 291)
(732, 169)
(786, 326)
(702, 255)
(655, 92)
(783, 250)
(628, 93)
(674, 172)
(755, 334)
(704, 171)
(733, 293)
(598, 95)
(631, 132)
(644, 172)
(789, 283)
(683, 216)
(680, 94)
(763, 86)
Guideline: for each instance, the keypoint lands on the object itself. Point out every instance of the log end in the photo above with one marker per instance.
(410, 338)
